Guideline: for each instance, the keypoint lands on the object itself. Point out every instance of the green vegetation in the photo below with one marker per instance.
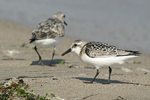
(62, 62)
(16, 89)
(23, 45)
(136, 62)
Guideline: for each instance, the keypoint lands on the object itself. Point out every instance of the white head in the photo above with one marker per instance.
(60, 16)
(75, 47)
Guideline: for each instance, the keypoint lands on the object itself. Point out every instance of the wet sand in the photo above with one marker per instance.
(129, 81)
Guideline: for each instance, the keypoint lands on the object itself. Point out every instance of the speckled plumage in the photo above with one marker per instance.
(50, 28)
(99, 49)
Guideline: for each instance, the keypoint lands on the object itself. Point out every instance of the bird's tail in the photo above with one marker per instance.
(130, 53)
(136, 53)
(33, 38)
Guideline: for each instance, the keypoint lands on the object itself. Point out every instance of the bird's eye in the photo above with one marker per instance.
(74, 45)
(64, 16)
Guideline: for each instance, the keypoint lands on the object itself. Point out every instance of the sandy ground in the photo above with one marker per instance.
(130, 81)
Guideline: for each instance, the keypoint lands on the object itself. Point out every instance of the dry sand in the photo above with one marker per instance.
(130, 81)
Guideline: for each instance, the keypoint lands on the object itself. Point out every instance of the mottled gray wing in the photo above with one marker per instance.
(51, 28)
(98, 49)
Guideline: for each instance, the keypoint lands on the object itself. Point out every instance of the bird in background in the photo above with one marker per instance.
(48, 34)
(100, 54)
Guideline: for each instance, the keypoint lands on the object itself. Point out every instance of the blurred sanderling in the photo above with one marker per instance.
(49, 33)
(100, 54)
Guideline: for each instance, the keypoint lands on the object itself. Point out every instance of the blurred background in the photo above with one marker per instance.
(124, 23)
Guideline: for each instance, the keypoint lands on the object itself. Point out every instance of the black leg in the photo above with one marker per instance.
(52, 56)
(110, 70)
(40, 59)
(95, 76)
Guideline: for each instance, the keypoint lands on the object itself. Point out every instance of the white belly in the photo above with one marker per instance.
(107, 61)
(47, 43)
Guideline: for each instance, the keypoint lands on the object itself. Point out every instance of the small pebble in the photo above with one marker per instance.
(55, 78)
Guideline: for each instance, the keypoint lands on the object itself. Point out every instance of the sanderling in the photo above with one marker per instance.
(49, 33)
(100, 54)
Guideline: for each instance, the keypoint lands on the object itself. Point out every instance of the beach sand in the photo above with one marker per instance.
(130, 81)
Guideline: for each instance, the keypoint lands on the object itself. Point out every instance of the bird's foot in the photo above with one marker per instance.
(40, 62)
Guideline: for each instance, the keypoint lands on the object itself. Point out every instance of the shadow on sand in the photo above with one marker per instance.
(103, 81)
(47, 62)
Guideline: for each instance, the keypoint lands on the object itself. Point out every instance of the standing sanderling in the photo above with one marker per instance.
(100, 54)
(49, 33)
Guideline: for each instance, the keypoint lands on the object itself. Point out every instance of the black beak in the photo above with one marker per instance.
(69, 50)
(65, 23)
